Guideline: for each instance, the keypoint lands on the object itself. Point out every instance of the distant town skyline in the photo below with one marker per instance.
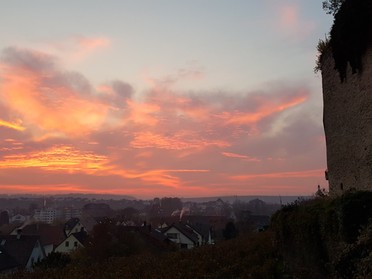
(161, 98)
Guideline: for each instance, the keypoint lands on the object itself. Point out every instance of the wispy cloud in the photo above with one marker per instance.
(291, 174)
(10, 125)
(56, 158)
(240, 156)
(290, 22)
(111, 138)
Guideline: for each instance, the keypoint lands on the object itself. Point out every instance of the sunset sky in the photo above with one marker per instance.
(161, 97)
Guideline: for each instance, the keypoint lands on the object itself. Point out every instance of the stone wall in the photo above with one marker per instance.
(347, 119)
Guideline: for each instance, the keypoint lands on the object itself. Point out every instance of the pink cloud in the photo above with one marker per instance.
(291, 174)
(290, 23)
(180, 141)
(64, 133)
(289, 16)
(92, 43)
(267, 109)
(239, 156)
(38, 92)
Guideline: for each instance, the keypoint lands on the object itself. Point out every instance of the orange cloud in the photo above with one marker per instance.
(41, 189)
(266, 110)
(163, 177)
(57, 158)
(38, 92)
(14, 126)
(179, 141)
(143, 113)
(239, 156)
(298, 174)
(142, 144)
(11, 145)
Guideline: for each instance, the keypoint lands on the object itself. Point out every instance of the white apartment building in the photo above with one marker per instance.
(47, 215)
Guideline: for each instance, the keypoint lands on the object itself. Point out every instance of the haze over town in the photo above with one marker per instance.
(161, 98)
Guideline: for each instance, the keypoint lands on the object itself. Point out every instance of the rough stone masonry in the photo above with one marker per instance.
(347, 118)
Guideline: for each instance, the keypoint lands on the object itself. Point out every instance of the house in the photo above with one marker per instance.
(7, 262)
(183, 235)
(203, 231)
(72, 242)
(50, 235)
(25, 250)
(207, 226)
(73, 226)
(152, 240)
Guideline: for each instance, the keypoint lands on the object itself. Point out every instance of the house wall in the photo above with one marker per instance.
(347, 119)
(36, 255)
(181, 238)
(62, 248)
(48, 249)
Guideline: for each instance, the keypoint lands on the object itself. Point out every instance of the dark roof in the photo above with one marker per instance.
(215, 222)
(158, 236)
(19, 247)
(70, 224)
(201, 228)
(7, 228)
(185, 230)
(49, 234)
(6, 261)
(80, 236)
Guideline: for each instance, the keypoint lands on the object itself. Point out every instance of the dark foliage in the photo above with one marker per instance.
(230, 231)
(53, 260)
(355, 212)
(351, 34)
(248, 256)
(327, 238)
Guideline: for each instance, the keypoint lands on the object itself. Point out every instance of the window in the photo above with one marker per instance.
(183, 246)
(172, 235)
(75, 244)
(67, 244)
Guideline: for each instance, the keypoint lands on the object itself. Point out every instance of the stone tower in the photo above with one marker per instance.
(347, 119)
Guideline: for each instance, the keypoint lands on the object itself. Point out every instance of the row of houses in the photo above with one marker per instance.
(25, 245)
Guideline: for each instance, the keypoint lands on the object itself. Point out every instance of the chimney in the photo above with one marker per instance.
(19, 231)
